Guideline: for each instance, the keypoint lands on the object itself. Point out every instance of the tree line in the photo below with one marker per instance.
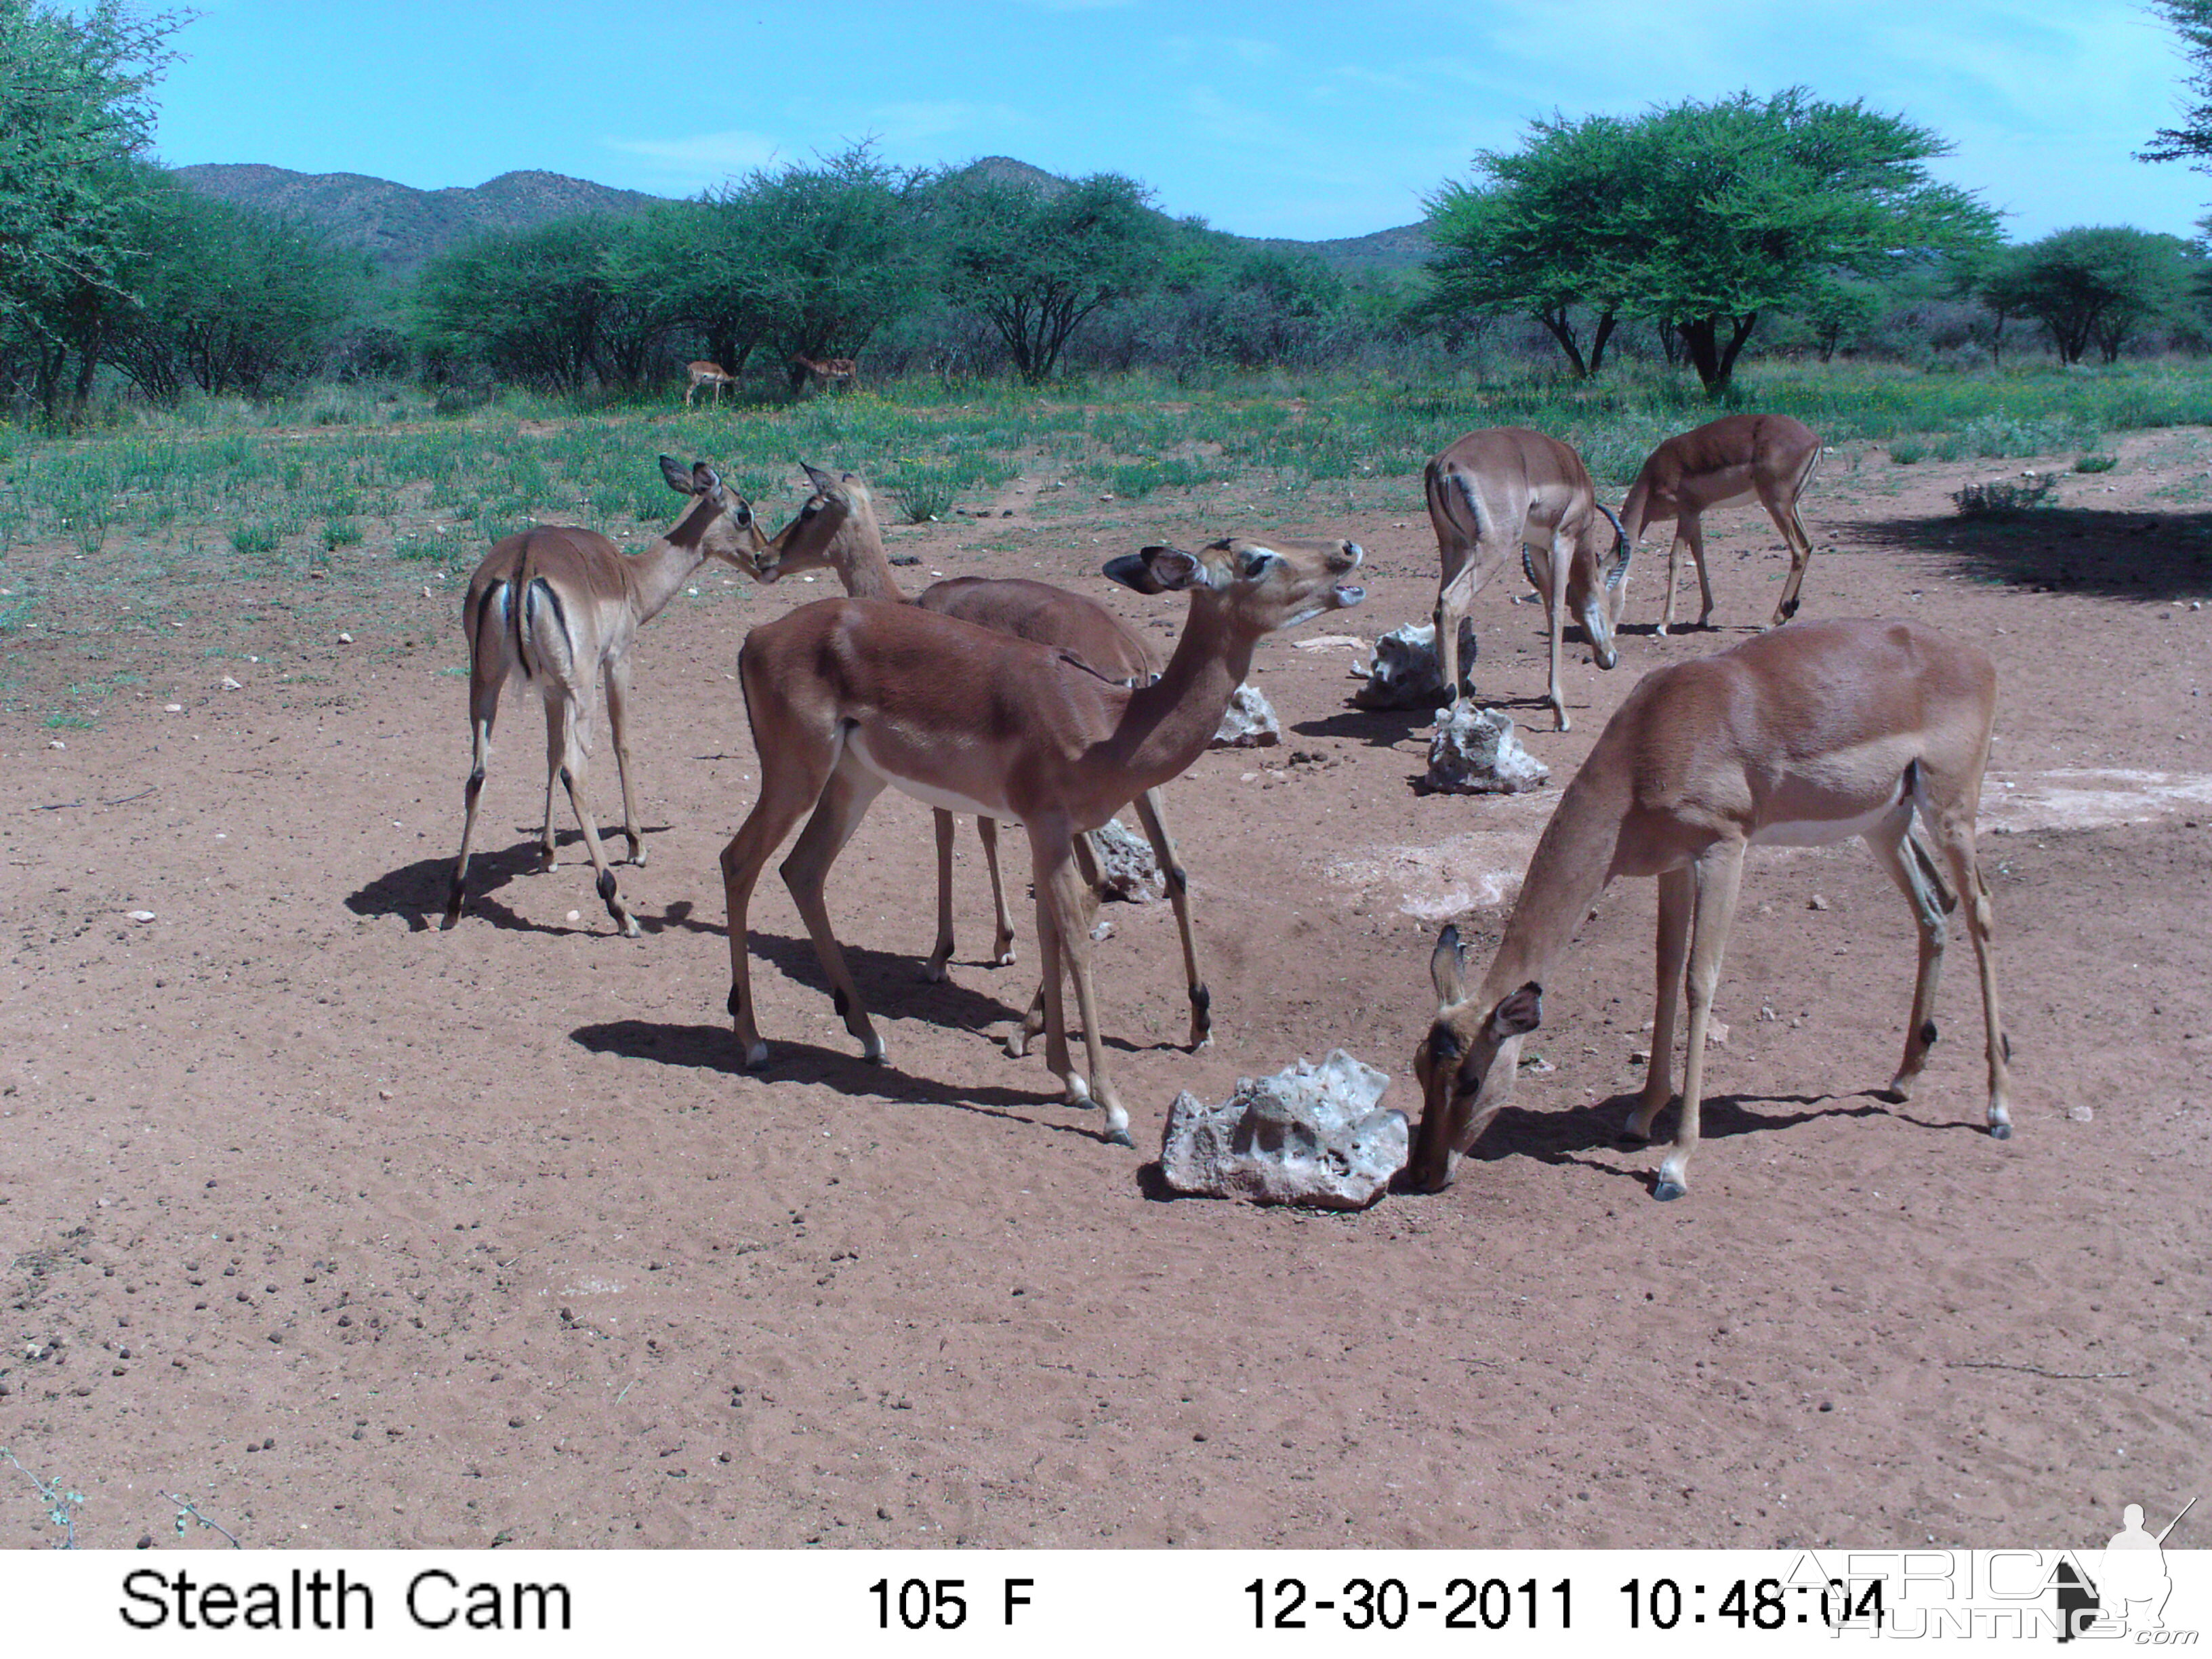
(1696, 233)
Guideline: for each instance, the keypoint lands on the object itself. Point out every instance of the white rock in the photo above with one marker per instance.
(1127, 868)
(56, 743)
(1309, 1134)
(173, 708)
(2081, 1113)
(345, 639)
(1250, 723)
(1405, 673)
(139, 916)
(1474, 752)
(230, 684)
(575, 915)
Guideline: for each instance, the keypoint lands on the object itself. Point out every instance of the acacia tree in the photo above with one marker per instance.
(2092, 285)
(2192, 140)
(834, 252)
(1708, 216)
(1524, 240)
(1036, 261)
(75, 111)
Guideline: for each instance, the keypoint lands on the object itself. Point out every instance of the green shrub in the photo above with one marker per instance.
(923, 495)
(2096, 463)
(1906, 452)
(340, 532)
(256, 537)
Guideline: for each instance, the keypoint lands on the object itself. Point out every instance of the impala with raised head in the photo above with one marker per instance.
(712, 374)
(836, 528)
(560, 606)
(1731, 462)
(846, 696)
(1507, 489)
(1798, 737)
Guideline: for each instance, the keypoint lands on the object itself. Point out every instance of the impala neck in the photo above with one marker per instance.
(1170, 722)
(858, 553)
(1572, 864)
(657, 573)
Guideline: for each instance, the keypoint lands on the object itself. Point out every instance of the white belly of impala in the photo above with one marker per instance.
(928, 794)
(1820, 832)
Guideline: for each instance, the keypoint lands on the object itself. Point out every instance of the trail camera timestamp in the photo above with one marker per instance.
(1464, 1603)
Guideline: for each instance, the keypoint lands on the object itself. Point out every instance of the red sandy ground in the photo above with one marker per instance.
(362, 1233)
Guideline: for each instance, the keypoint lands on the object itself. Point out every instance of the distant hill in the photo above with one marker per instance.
(401, 226)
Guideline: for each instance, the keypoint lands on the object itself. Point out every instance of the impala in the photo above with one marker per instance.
(846, 696)
(1506, 489)
(837, 528)
(703, 373)
(828, 371)
(561, 607)
(1731, 462)
(1797, 738)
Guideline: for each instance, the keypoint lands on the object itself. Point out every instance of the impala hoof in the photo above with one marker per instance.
(873, 1051)
(755, 1056)
(630, 929)
(1667, 1191)
(1004, 958)
(933, 970)
(1119, 1137)
(2000, 1132)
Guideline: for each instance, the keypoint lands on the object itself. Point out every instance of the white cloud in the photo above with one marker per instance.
(704, 155)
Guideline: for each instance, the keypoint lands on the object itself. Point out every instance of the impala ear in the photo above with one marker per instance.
(822, 482)
(1519, 1014)
(705, 480)
(1130, 571)
(681, 479)
(1175, 570)
(1448, 968)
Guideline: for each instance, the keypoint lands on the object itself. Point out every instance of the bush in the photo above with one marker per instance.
(1906, 452)
(2096, 463)
(255, 537)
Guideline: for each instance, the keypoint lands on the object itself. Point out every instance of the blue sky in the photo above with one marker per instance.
(1285, 119)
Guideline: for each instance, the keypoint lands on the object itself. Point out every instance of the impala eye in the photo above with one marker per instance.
(1255, 562)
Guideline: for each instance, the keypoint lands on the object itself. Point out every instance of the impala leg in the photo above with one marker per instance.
(788, 788)
(1454, 594)
(1677, 894)
(1954, 838)
(574, 719)
(1086, 861)
(1002, 948)
(1718, 876)
(1674, 580)
(1554, 621)
(1163, 849)
(845, 801)
(1801, 558)
(941, 952)
(1902, 859)
(1061, 909)
(1693, 531)
(483, 712)
(556, 752)
(618, 722)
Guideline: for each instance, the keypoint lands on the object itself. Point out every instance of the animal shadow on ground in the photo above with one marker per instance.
(715, 1049)
(1562, 1137)
(2125, 554)
(892, 985)
(416, 891)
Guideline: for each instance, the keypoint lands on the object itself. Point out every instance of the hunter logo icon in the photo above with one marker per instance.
(2131, 1584)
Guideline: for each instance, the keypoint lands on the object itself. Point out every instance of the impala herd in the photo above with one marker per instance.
(1013, 699)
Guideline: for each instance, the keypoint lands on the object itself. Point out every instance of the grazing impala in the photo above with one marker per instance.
(828, 371)
(1797, 738)
(846, 696)
(1731, 462)
(836, 527)
(1506, 489)
(561, 607)
(711, 374)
